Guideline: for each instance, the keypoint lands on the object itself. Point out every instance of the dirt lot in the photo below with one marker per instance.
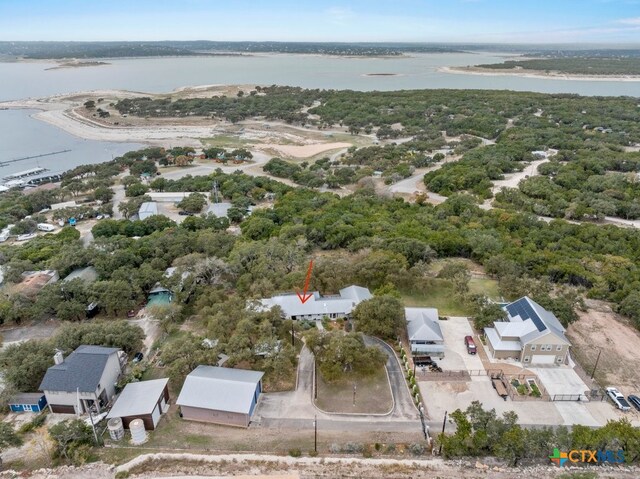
(601, 329)
(372, 395)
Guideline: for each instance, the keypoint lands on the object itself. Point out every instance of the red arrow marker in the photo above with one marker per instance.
(303, 297)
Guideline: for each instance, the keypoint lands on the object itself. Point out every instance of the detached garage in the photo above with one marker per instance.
(220, 395)
(145, 400)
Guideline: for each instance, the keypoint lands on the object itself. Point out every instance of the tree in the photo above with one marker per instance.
(69, 438)
(25, 364)
(184, 354)
(487, 314)
(512, 445)
(103, 193)
(8, 437)
(341, 356)
(458, 273)
(381, 316)
(112, 334)
(136, 189)
(193, 203)
(89, 104)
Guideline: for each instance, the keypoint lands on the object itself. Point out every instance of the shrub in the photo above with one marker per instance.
(335, 448)
(295, 452)
(417, 449)
(391, 448)
(313, 453)
(377, 446)
(35, 423)
(353, 448)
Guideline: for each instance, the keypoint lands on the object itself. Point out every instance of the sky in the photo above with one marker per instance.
(473, 21)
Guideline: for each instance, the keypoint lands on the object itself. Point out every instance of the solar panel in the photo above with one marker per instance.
(523, 309)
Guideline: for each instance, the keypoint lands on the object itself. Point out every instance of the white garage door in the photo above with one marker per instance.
(155, 416)
(543, 359)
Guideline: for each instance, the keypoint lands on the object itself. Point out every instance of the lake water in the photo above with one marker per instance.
(21, 135)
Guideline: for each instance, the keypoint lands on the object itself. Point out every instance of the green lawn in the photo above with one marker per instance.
(440, 294)
(372, 394)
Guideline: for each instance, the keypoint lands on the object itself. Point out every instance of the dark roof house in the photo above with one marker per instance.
(84, 380)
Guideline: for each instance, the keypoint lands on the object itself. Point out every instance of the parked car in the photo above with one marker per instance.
(635, 400)
(185, 213)
(470, 344)
(618, 399)
(132, 313)
(138, 357)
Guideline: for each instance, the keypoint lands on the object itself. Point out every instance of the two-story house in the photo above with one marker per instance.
(85, 380)
(531, 335)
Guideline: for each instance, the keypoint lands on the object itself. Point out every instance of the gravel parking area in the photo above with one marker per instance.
(456, 356)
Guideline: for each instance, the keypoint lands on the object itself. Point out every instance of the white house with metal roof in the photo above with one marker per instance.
(220, 395)
(147, 209)
(531, 335)
(145, 400)
(318, 306)
(424, 332)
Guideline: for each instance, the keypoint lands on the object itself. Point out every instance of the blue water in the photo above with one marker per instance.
(21, 135)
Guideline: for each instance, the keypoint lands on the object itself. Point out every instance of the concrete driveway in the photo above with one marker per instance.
(560, 380)
(456, 356)
(296, 409)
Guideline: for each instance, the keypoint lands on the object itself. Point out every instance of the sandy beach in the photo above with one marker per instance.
(67, 113)
(536, 74)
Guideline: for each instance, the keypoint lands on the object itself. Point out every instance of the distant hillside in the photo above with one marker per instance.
(66, 50)
(576, 66)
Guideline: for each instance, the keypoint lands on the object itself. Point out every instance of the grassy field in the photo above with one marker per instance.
(440, 294)
(372, 395)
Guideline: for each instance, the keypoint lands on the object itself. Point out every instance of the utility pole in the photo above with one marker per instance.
(292, 336)
(444, 424)
(315, 433)
(596, 365)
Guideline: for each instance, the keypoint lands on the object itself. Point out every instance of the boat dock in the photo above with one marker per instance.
(25, 174)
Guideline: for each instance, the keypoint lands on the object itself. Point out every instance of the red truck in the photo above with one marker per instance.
(471, 346)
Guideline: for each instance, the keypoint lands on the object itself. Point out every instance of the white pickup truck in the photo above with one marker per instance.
(618, 399)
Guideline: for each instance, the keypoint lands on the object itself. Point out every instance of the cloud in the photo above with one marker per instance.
(629, 21)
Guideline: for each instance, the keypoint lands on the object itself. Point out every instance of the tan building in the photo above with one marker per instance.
(220, 395)
(531, 335)
(145, 400)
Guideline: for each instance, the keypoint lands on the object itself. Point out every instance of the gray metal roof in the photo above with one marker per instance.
(138, 398)
(81, 370)
(343, 304)
(88, 274)
(220, 389)
(219, 209)
(26, 398)
(147, 209)
(423, 325)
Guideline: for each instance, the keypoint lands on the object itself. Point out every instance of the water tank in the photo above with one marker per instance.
(138, 433)
(116, 429)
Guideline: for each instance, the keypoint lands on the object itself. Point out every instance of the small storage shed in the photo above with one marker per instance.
(144, 400)
(28, 402)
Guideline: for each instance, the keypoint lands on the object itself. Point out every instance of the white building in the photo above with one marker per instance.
(147, 209)
(318, 306)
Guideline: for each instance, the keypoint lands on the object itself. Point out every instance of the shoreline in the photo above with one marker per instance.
(536, 74)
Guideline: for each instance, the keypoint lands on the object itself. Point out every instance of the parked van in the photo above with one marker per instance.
(471, 346)
(46, 227)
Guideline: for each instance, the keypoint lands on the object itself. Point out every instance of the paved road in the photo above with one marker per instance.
(295, 409)
(404, 407)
